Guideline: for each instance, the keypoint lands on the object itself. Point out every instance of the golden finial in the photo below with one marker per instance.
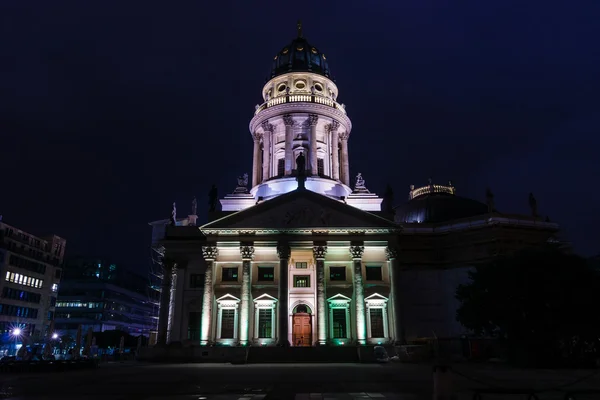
(299, 26)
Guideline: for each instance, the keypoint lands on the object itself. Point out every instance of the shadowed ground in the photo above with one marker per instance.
(279, 381)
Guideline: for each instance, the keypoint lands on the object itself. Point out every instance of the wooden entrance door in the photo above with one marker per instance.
(302, 331)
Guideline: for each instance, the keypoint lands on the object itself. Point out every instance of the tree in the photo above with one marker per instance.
(540, 300)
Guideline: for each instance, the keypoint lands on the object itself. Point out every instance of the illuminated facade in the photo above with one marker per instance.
(31, 269)
(303, 259)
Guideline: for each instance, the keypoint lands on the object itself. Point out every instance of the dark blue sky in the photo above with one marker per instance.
(109, 112)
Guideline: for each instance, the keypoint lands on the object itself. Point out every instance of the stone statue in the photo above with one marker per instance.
(489, 197)
(301, 164)
(174, 215)
(213, 195)
(360, 182)
(243, 181)
(194, 207)
(533, 205)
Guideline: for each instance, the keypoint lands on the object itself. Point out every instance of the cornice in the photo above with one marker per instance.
(300, 107)
(297, 232)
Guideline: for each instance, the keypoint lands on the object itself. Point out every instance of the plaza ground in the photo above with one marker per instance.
(282, 381)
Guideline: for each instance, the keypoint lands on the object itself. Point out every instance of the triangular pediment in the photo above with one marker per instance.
(376, 297)
(339, 297)
(265, 298)
(228, 298)
(300, 209)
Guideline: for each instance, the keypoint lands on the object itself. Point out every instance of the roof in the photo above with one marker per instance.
(438, 207)
(300, 56)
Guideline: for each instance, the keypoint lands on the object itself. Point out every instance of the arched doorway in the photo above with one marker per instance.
(302, 326)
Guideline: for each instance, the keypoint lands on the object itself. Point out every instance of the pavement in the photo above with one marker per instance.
(137, 381)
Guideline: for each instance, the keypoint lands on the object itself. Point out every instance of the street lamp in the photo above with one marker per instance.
(55, 336)
(16, 332)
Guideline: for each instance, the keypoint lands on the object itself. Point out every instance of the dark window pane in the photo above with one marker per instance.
(281, 167)
(265, 327)
(374, 273)
(337, 273)
(227, 323)
(194, 325)
(230, 274)
(339, 323)
(376, 322)
(301, 265)
(266, 274)
(301, 281)
(196, 281)
(320, 167)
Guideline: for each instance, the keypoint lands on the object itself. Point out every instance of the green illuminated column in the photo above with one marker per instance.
(392, 256)
(319, 253)
(210, 255)
(283, 251)
(247, 255)
(359, 295)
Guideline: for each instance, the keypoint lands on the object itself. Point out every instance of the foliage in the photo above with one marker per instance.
(541, 300)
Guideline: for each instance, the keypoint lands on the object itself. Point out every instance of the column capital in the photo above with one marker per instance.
(267, 127)
(344, 135)
(313, 119)
(319, 252)
(356, 252)
(210, 253)
(257, 137)
(247, 252)
(391, 253)
(288, 120)
(283, 251)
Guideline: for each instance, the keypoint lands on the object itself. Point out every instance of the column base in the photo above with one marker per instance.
(361, 342)
(283, 343)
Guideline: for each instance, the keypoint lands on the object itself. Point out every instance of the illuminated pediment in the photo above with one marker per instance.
(228, 301)
(376, 300)
(265, 300)
(300, 209)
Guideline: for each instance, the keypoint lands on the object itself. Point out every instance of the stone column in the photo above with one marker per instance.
(266, 159)
(319, 253)
(289, 137)
(359, 295)
(256, 165)
(165, 301)
(335, 150)
(345, 170)
(312, 121)
(247, 256)
(175, 331)
(283, 251)
(392, 256)
(210, 255)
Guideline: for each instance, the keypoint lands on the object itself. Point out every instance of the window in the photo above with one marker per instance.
(337, 273)
(230, 274)
(376, 315)
(339, 323)
(50, 315)
(301, 265)
(320, 167)
(374, 273)
(266, 274)
(265, 323)
(227, 323)
(196, 281)
(194, 325)
(55, 287)
(281, 167)
(302, 281)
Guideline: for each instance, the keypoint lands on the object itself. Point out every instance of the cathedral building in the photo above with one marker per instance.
(306, 256)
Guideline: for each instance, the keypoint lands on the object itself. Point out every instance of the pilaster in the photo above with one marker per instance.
(356, 252)
(266, 161)
(247, 252)
(289, 136)
(312, 122)
(345, 170)
(210, 254)
(256, 165)
(319, 254)
(283, 251)
(392, 256)
(165, 301)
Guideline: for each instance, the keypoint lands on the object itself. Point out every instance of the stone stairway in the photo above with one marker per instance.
(325, 354)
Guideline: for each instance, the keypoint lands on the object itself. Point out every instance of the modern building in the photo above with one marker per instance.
(303, 259)
(31, 269)
(98, 294)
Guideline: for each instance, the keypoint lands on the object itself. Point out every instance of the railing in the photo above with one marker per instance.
(431, 189)
(300, 98)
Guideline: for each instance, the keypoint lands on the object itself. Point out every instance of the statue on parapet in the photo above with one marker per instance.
(533, 205)
(213, 196)
(242, 184)
(489, 197)
(301, 164)
(194, 206)
(360, 186)
(174, 215)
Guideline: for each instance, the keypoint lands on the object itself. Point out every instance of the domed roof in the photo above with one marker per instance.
(437, 203)
(300, 56)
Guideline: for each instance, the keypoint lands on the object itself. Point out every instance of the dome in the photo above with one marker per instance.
(300, 56)
(437, 203)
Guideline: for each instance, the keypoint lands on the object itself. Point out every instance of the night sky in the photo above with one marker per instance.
(112, 110)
